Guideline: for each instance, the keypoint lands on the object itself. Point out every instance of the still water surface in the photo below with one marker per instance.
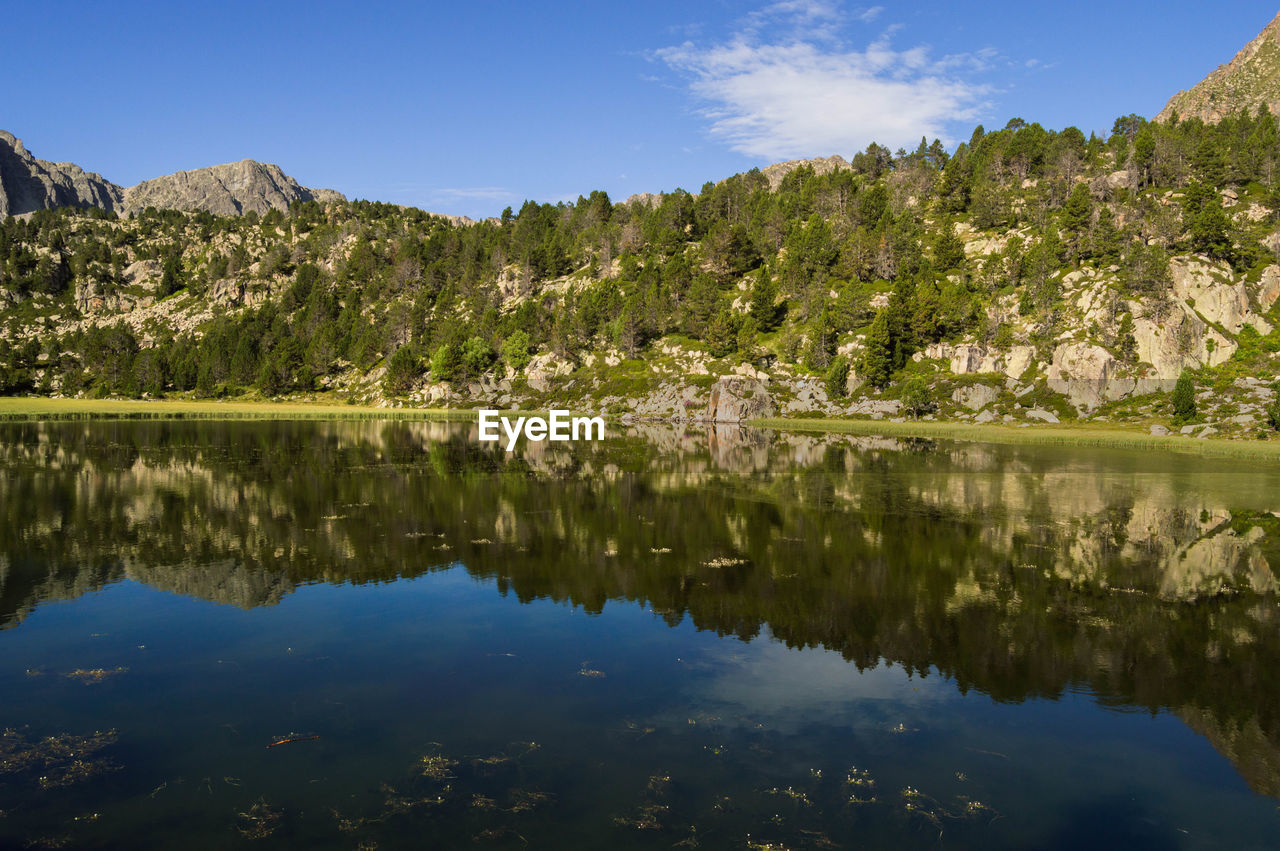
(345, 634)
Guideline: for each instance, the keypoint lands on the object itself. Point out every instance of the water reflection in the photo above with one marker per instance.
(1148, 580)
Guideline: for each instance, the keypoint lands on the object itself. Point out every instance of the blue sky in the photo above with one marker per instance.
(467, 107)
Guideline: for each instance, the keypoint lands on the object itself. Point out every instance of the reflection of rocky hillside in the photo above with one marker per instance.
(1254, 753)
(1016, 571)
(226, 582)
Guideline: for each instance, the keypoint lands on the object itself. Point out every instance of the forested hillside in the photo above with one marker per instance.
(1030, 273)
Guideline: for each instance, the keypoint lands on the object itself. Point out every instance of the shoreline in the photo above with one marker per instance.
(35, 409)
(1083, 437)
(38, 409)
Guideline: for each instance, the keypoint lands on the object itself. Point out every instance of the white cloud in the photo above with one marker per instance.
(869, 15)
(806, 93)
(474, 193)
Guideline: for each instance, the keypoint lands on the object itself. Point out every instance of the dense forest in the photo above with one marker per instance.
(873, 255)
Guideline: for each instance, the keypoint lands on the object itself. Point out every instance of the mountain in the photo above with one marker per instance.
(224, 190)
(28, 184)
(1250, 80)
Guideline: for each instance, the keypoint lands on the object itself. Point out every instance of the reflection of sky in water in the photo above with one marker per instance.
(787, 688)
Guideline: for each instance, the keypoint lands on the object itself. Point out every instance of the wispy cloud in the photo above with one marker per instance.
(868, 15)
(786, 84)
(474, 193)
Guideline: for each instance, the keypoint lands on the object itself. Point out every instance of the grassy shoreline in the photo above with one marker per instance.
(19, 408)
(1083, 436)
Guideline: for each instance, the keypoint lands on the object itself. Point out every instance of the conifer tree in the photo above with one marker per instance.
(764, 294)
(877, 357)
(1184, 398)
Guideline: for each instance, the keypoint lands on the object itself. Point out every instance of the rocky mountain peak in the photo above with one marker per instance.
(230, 189)
(28, 184)
(1250, 80)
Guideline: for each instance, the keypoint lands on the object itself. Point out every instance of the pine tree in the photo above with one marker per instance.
(700, 306)
(1208, 230)
(1184, 399)
(877, 358)
(722, 333)
(1076, 214)
(948, 249)
(764, 294)
(402, 371)
(837, 378)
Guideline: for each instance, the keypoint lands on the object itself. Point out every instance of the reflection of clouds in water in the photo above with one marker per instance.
(769, 682)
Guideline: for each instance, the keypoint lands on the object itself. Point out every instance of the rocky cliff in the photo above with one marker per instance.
(28, 184)
(231, 189)
(1250, 80)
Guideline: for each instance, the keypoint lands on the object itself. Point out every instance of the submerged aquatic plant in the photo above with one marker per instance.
(260, 821)
(62, 760)
(437, 767)
(88, 676)
(591, 673)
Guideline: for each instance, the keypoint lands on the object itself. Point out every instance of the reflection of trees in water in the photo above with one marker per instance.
(1018, 572)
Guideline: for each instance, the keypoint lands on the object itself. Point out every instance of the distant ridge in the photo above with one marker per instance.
(231, 189)
(28, 184)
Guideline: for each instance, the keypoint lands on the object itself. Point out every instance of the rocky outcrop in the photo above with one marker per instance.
(28, 184)
(671, 400)
(876, 409)
(224, 190)
(975, 359)
(975, 397)
(545, 367)
(1177, 338)
(1207, 289)
(736, 398)
(644, 199)
(820, 165)
(1250, 80)
(1269, 287)
(1086, 375)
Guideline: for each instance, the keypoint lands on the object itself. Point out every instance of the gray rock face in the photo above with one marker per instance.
(1086, 374)
(28, 184)
(975, 397)
(224, 190)
(737, 398)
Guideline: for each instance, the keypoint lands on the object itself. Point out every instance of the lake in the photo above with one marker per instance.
(368, 634)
